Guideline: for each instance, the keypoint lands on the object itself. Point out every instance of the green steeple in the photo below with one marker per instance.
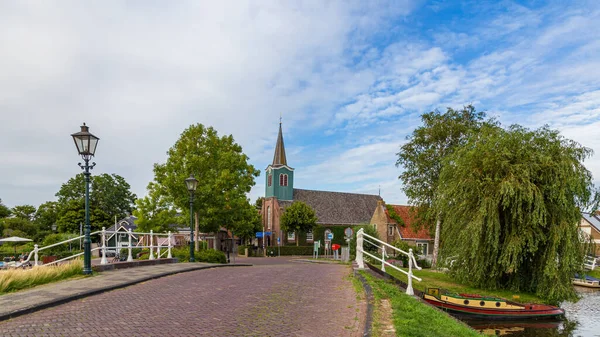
(279, 176)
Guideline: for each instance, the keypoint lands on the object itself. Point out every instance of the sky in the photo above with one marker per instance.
(349, 79)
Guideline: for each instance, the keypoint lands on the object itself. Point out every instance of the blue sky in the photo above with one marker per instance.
(349, 78)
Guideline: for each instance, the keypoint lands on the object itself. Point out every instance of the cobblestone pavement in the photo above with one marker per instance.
(277, 298)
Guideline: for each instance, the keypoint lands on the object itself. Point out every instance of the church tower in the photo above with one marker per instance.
(279, 176)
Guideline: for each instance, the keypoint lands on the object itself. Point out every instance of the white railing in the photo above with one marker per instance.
(361, 238)
(589, 263)
(103, 247)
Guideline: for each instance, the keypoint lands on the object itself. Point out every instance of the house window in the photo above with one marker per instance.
(422, 248)
(269, 217)
(390, 230)
(309, 235)
(270, 180)
(291, 236)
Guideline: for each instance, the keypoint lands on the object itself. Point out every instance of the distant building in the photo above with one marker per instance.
(590, 225)
(335, 210)
(390, 230)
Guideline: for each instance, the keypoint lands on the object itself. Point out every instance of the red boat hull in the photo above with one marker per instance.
(536, 311)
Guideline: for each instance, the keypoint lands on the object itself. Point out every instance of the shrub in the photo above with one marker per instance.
(134, 252)
(210, 256)
(56, 238)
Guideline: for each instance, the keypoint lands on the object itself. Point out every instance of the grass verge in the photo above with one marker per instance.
(436, 279)
(413, 318)
(593, 273)
(19, 279)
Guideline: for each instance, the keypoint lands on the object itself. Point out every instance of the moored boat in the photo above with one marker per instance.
(477, 306)
(586, 281)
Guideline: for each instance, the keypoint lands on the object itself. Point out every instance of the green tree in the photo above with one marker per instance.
(110, 196)
(26, 212)
(4, 211)
(24, 226)
(422, 157)
(298, 217)
(47, 215)
(512, 201)
(222, 169)
(156, 212)
(258, 203)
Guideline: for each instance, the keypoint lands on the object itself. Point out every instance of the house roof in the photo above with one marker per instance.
(408, 231)
(337, 208)
(127, 223)
(592, 219)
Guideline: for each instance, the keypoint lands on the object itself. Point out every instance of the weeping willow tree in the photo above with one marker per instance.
(511, 200)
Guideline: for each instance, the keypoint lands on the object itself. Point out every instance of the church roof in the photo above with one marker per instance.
(279, 158)
(337, 208)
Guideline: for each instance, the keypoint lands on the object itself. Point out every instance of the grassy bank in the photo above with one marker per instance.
(413, 318)
(19, 279)
(435, 279)
(594, 273)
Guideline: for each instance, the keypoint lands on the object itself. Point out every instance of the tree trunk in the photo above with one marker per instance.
(196, 229)
(297, 239)
(436, 241)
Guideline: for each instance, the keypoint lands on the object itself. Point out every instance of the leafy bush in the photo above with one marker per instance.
(134, 252)
(210, 256)
(369, 230)
(56, 238)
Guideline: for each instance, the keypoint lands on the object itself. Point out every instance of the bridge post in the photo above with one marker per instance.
(382, 258)
(35, 254)
(129, 256)
(158, 247)
(151, 257)
(359, 249)
(409, 288)
(169, 255)
(103, 261)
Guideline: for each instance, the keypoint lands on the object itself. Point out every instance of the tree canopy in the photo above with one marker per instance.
(26, 212)
(4, 211)
(422, 157)
(298, 217)
(156, 212)
(511, 201)
(110, 197)
(223, 173)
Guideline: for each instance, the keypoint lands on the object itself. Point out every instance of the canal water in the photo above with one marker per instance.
(582, 320)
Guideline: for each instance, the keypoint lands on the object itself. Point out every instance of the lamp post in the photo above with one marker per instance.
(86, 146)
(191, 184)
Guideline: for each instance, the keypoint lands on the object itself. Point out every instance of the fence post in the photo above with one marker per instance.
(103, 261)
(359, 249)
(151, 257)
(382, 258)
(35, 254)
(158, 247)
(169, 255)
(409, 288)
(593, 263)
(129, 256)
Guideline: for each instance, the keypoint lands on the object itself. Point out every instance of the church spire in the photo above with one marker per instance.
(279, 157)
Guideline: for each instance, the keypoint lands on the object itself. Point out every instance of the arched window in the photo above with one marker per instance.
(270, 180)
(269, 217)
(283, 179)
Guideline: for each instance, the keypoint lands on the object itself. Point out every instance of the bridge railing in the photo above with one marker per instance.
(590, 262)
(104, 247)
(362, 238)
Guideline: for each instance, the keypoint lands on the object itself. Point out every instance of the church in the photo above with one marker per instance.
(335, 211)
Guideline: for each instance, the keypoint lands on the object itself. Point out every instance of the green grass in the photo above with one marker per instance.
(436, 279)
(19, 279)
(413, 318)
(594, 273)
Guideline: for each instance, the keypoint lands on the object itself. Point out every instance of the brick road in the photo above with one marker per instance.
(281, 298)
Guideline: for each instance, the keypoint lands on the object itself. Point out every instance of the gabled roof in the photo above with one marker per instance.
(337, 208)
(408, 231)
(279, 158)
(127, 223)
(592, 219)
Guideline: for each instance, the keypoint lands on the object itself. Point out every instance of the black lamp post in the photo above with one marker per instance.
(86, 146)
(191, 184)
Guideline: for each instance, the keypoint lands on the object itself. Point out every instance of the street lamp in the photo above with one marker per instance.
(86, 146)
(191, 184)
